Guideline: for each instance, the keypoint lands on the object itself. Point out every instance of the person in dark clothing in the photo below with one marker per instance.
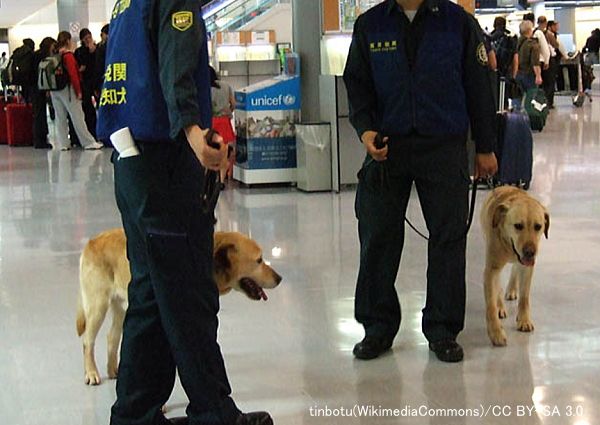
(592, 47)
(100, 61)
(40, 98)
(557, 52)
(27, 79)
(156, 100)
(86, 58)
(505, 45)
(417, 75)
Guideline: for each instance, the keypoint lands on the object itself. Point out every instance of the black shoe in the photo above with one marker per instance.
(183, 420)
(447, 350)
(254, 418)
(371, 347)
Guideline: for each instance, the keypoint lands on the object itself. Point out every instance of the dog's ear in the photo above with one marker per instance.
(221, 258)
(547, 224)
(499, 215)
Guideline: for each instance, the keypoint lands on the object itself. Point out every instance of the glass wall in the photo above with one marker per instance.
(351, 9)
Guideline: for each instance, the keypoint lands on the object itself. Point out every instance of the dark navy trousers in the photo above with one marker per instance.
(439, 171)
(171, 321)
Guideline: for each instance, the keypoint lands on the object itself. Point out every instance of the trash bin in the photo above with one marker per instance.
(313, 153)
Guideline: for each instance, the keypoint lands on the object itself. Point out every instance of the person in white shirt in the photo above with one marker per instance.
(3, 64)
(538, 34)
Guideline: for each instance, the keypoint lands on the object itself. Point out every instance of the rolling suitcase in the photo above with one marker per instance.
(536, 106)
(19, 124)
(515, 146)
(3, 132)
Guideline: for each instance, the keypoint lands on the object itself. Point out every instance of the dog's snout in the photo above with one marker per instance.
(278, 278)
(529, 251)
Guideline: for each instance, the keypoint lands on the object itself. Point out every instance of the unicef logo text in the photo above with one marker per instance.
(287, 100)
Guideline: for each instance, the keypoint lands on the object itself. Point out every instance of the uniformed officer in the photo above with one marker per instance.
(417, 74)
(157, 85)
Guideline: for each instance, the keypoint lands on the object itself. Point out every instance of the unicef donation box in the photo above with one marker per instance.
(265, 120)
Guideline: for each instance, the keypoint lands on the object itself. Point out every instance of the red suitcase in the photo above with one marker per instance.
(3, 133)
(19, 124)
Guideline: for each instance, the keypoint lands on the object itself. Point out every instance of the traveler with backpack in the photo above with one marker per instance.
(530, 71)
(538, 34)
(39, 98)
(505, 44)
(67, 95)
(19, 70)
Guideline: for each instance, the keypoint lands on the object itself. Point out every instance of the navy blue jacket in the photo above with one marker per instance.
(156, 79)
(428, 77)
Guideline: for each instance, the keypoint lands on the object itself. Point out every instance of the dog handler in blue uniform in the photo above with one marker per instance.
(417, 75)
(157, 86)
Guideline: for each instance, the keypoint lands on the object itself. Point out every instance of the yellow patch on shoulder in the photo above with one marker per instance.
(482, 56)
(182, 21)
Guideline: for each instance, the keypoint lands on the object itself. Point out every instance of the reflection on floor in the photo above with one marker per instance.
(292, 354)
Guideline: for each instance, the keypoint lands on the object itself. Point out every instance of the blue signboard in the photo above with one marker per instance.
(266, 117)
(282, 94)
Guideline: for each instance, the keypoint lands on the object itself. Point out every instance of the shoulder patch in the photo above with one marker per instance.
(182, 21)
(482, 56)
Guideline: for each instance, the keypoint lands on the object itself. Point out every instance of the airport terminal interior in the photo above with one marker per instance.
(292, 354)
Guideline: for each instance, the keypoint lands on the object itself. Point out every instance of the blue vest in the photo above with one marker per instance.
(429, 98)
(132, 95)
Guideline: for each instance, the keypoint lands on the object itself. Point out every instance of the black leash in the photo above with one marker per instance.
(380, 144)
(212, 179)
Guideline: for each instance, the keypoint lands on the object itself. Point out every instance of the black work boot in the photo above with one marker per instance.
(447, 350)
(254, 418)
(371, 347)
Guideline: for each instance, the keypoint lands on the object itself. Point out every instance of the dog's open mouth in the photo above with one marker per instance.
(251, 288)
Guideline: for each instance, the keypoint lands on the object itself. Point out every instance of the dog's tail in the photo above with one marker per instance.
(80, 322)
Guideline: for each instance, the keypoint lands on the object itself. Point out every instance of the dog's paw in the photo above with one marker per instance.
(511, 295)
(498, 337)
(525, 325)
(502, 313)
(92, 378)
(112, 372)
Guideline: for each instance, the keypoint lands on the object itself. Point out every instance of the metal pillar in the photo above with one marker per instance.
(73, 15)
(307, 42)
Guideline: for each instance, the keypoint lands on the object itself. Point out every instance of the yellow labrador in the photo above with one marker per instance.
(104, 277)
(513, 223)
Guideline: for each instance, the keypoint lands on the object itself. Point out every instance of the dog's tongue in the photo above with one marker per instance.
(263, 294)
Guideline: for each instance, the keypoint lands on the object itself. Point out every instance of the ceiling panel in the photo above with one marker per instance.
(14, 11)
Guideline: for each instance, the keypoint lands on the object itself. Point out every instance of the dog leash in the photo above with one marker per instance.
(212, 180)
(380, 144)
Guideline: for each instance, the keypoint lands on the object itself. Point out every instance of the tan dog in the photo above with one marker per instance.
(104, 277)
(513, 223)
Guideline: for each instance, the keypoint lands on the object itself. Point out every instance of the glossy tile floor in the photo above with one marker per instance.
(292, 354)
